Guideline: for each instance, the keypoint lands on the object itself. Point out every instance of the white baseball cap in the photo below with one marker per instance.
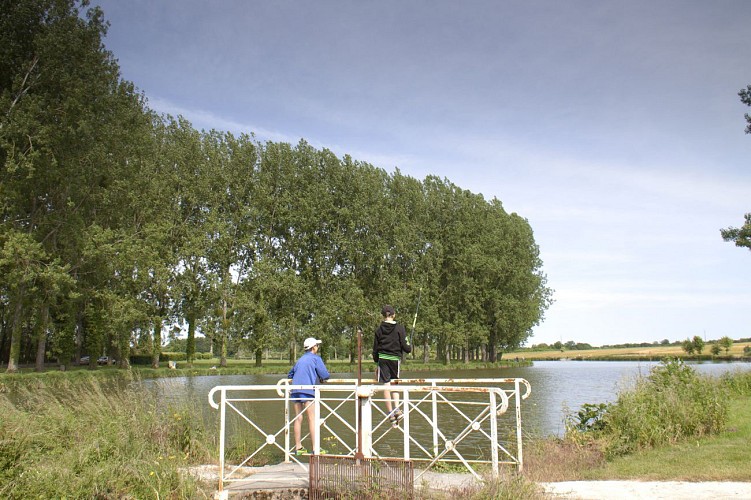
(310, 342)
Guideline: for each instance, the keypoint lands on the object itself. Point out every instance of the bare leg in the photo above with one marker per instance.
(311, 423)
(298, 425)
(387, 397)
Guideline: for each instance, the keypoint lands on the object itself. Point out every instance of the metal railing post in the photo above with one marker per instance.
(405, 398)
(493, 434)
(434, 404)
(317, 420)
(366, 407)
(517, 401)
(222, 415)
(287, 447)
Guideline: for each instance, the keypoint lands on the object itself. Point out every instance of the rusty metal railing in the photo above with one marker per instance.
(462, 421)
(341, 478)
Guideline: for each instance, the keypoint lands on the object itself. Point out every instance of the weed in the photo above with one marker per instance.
(87, 437)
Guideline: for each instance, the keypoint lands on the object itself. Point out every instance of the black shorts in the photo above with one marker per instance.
(388, 370)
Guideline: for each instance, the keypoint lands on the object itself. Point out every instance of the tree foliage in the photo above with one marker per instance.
(119, 227)
(741, 236)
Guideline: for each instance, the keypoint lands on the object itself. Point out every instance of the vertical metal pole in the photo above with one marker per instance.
(434, 398)
(494, 434)
(359, 453)
(317, 420)
(367, 426)
(287, 453)
(222, 413)
(405, 406)
(517, 400)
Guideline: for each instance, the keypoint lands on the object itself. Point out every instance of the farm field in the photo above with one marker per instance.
(656, 352)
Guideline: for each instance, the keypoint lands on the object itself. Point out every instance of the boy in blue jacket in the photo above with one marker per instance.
(309, 370)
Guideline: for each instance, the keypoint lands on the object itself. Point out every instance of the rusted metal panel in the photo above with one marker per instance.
(343, 477)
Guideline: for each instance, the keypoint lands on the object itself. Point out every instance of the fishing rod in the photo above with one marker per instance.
(414, 321)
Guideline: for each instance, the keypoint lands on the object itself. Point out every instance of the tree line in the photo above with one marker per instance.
(120, 227)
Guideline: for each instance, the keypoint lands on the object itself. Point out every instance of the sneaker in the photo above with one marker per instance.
(301, 451)
(395, 417)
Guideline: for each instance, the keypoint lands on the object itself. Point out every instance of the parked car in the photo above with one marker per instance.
(105, 360)
(84, 360)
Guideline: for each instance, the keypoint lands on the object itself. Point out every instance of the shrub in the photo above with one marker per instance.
(671, 403)
(738, 382)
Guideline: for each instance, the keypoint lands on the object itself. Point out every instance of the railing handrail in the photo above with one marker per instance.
(407, 381)
(372, 382)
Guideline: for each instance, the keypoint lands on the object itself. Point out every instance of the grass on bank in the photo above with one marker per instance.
(703, 434)
(88, 436)
(722, 457)
(268, 367)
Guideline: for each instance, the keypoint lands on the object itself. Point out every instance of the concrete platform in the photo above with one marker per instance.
(290, 481)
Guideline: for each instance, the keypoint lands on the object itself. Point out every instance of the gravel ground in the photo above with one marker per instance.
(657, 490)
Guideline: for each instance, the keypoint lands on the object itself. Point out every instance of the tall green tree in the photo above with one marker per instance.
(64, 114)
(725, 343)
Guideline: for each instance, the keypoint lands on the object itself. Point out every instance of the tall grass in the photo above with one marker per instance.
(92, 437)
(670, 404)
(509, 485)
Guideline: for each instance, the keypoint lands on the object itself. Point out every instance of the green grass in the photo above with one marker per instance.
(722, 457)
(84, 436)
(673, 426)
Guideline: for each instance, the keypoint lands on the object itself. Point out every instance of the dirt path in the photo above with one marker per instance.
(653, 490)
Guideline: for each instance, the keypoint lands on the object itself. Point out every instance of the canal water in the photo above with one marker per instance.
(558, 387)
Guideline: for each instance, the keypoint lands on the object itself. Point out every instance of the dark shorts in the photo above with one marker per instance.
(388, 370)
(300, 397)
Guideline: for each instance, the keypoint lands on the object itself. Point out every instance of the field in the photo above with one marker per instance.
(656, 352)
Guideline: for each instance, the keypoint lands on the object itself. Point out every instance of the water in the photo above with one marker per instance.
(558, 387)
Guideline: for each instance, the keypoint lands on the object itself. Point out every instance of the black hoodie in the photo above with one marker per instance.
(390, 341)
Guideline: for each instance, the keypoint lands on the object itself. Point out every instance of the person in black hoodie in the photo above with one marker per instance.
(388, 345)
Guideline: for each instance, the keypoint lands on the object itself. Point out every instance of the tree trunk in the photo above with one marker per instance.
(44, 315)
(259, 356)
(190, 346)
(492, 343)
(156, 346)
(15, 336)
(223, 356)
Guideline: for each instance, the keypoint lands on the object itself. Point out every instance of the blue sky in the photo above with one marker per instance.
(614, 127)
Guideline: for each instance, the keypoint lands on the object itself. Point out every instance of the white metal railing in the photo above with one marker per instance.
(445, 420)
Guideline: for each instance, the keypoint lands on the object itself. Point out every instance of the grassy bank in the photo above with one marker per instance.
(674, 425)
(268, 367)
(92, 436)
